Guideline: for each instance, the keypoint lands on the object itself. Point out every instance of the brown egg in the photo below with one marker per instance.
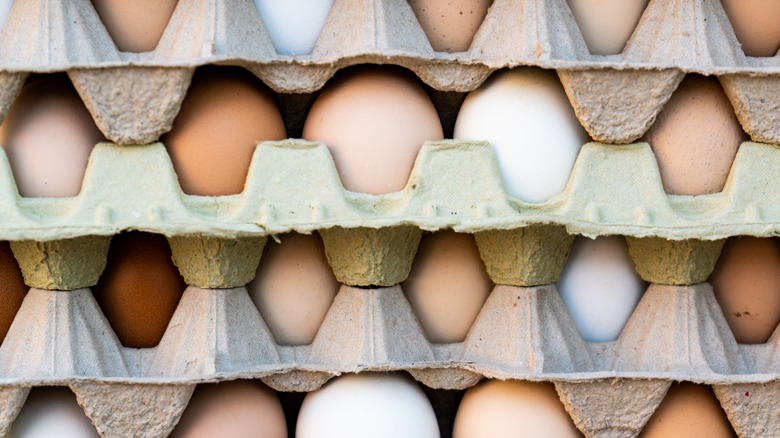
(688, 410)
(135, 26)
(756, 24)
(695, 138)
(450, 24)
(746, 281)
(48, 136)
(294, 287)
(606, 25)
(226, 112)
(237, 409)
(512, 408)
(447, 286)
(139, 289)
(12, 288)
(374, 121)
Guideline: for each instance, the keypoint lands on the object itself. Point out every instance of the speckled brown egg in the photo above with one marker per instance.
(695, 138)
(447, 286)
(450, 24)
(374, 121)
(48, 137)
(226, 112)
(688, 410)
(746, 281)
(12, 288)
(135, 26)
(139, 289)
(756, 24)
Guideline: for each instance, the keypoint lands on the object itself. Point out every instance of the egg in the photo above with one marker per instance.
(513, 408)
(606, 25)
(526, 117)
(695, 138)
(373, 405)
(450, 25)
(135, 26)
(756, 24)
(374, 121)
(225, 113)
(294, 25)
(447, 286)
(294, 287)
(600, 287)
(688, 410)
(139, 289)
(48, 136)
(5, 9)
(52, 412)
(746, 282)
(12, 288)
(236, 409)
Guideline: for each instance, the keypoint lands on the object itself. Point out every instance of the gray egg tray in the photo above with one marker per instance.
(134, 97)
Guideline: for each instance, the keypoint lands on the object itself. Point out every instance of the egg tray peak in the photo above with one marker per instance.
(61, 243)
(134, 97)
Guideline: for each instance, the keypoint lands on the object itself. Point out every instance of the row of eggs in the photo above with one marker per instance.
(380, 406)
(450, 25)
(294, 287)
(374, 121)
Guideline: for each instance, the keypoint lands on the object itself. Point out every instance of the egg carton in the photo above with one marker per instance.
(134, 97)
(292, 185)
(522, 332)
(675, 333)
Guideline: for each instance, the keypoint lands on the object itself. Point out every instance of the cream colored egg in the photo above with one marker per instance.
(688, 410)
(511, 409)
(226, 112)
(48, 136)
(372, 405)
(374, 121)
(294, 287)
(135, 26)
(528, 120)
(756, 24)
(447, 286)
(450, 24)
(606, 25)
(600, 287)
(237, 409)
(746, 281)
(695, 138)
(52, 412)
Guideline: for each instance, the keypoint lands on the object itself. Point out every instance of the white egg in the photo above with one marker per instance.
(52, 412)
(5, 9)
(294, 25)
(526, 117)
(367, 405)
(600, 287)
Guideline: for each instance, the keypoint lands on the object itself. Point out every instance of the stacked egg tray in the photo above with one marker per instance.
(134, 97)
(524, 331)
